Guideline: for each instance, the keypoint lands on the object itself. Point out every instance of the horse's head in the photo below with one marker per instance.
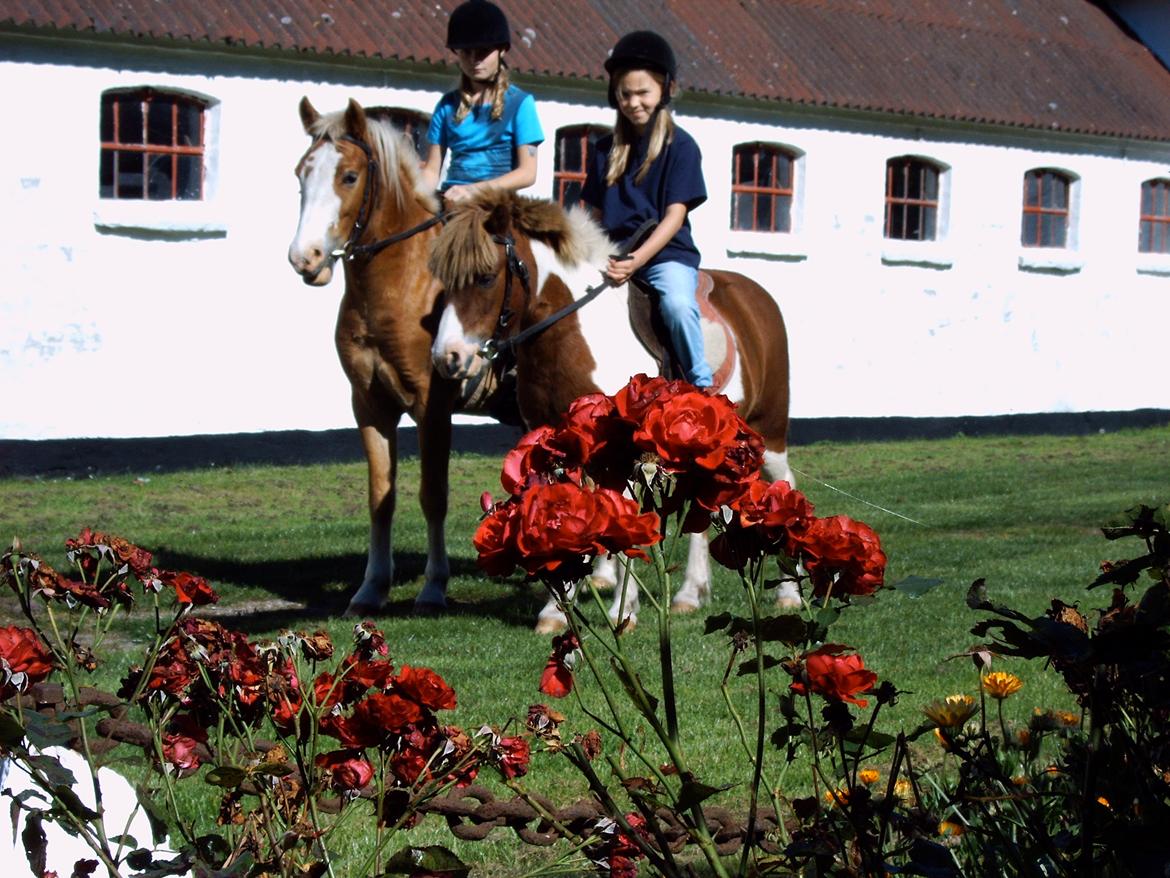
(483, 259)
(357, 166)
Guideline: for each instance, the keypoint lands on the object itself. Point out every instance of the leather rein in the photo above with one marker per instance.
(351, 249)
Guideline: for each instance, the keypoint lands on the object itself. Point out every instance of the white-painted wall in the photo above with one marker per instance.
(110, 325)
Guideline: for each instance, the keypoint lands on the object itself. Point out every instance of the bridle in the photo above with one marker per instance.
(351, 249)
(499, 345)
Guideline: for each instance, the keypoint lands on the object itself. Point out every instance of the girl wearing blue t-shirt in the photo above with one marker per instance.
(649, 168)
(489, 126)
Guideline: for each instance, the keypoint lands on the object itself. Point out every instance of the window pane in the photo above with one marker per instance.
(129, 120)
(1030, 231)
(129, 173)
(742, 211)
(1032, 188)
(158, 177)
(570, 158)
(930, 183)
(191, 124)
(106, 174)
(929, 221)
(764, 213)
(1147, 198)
(1146, 238)
(896, 220)
(1055, 191)
(764, 164)
(784, 164)
(106, 132)
(190, 177)
(570, 192)
(784, 213)
(158, 122)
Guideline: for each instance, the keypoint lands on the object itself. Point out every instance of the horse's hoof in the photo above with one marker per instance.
(624, 628)
(427, 608)
(361, 611)
(601, 583)
(547, 625)
(787, 605)
(683, 608)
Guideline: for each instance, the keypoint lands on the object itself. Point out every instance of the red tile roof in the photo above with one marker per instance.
(1053, 64)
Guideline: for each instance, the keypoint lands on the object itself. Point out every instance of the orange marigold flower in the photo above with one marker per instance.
(950, 829)
(837, 798)
(952, 711)
(943, 739)
(904, 790)
(1101, 800)
(869, 776)
(1000, 684)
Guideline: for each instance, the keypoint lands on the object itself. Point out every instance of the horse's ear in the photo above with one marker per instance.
(355, 121)
(309, 114)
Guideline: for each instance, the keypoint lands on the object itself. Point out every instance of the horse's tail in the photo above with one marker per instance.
(762, 340)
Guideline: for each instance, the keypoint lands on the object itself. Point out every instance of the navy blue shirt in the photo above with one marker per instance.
(676, 177)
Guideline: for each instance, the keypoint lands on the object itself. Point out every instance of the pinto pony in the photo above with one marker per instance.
(507, 264)
(363, 201)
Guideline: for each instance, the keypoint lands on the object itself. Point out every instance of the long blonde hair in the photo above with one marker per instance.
(499, 88)
(625, 137)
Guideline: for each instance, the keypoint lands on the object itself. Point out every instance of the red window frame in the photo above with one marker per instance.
(1154, 213)
(912, 199)
(1046, 225)
(155, 156)
(773, 199)
(565, 178)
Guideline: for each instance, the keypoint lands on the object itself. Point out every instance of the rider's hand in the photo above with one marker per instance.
(457, 194)
(620, 270)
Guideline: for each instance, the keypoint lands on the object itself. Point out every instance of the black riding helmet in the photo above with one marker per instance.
(641, 50)
(478, 24)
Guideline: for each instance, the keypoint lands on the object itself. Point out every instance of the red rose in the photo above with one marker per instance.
(633, 400)
(596, 437)
(531, 460)
(181, 741)
(189, 589)
(835, 676)
(513, 755)
(689, 430)
(360, 675)
(425, 687)
(768, 517)
(557, 678)
(415, 748)
(842, 556)
(349, 770)
(24, 660)
(495, 539)
(387, 713)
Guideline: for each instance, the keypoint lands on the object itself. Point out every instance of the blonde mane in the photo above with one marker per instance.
(398, 163)
(465, 249)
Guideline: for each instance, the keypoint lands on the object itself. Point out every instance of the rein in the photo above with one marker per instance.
(495, 347)
(351, 249)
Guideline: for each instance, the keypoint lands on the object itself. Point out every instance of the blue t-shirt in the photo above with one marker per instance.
(480, 148)
(676, 177)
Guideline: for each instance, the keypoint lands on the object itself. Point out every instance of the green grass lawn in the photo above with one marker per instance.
(286, 545)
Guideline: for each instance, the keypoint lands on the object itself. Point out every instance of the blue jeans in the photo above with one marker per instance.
(676, 285)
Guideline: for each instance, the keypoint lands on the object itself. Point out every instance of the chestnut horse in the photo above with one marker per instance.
(363, 201)
(513, 261)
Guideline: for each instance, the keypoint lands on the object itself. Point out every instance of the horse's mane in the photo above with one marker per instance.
(465, 249)
(394, 152)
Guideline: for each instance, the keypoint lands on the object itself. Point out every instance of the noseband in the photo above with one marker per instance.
(351, 249)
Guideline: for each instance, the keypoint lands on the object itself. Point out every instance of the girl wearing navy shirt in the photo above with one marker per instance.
(489, 126)
(649, 168)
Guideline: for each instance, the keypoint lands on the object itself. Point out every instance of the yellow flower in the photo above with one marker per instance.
(943, 739)
(869, 776)
(950, 829)
(1067, 718)
(1101, 800)
(1000, 684)
(953, 711)
(837, 797)
(904, 790)
(1020, 780)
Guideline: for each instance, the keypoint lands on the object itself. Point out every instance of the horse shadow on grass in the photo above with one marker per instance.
(305, 589)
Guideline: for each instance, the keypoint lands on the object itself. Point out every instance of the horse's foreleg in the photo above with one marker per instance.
(552, 618)
(380, 443)
(776, 469)
(696, 587)
(434, 445)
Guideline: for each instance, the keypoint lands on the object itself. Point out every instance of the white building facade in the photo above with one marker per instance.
(135, 318)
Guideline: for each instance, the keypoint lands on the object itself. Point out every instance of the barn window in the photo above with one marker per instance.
(152, 146)
(575, 148)
(1154, 231)
(763, 186)
(912, 199)
(412, 123)
(1046, 208)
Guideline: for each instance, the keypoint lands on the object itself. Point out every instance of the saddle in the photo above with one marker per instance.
(718, 342)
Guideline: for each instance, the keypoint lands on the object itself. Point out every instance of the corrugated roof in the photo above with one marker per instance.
(1053, 64)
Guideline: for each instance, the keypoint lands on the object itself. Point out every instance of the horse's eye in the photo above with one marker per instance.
(349, 178)
(485, 280)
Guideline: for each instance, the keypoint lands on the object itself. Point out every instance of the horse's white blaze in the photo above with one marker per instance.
(316, 235)
(453, 350)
